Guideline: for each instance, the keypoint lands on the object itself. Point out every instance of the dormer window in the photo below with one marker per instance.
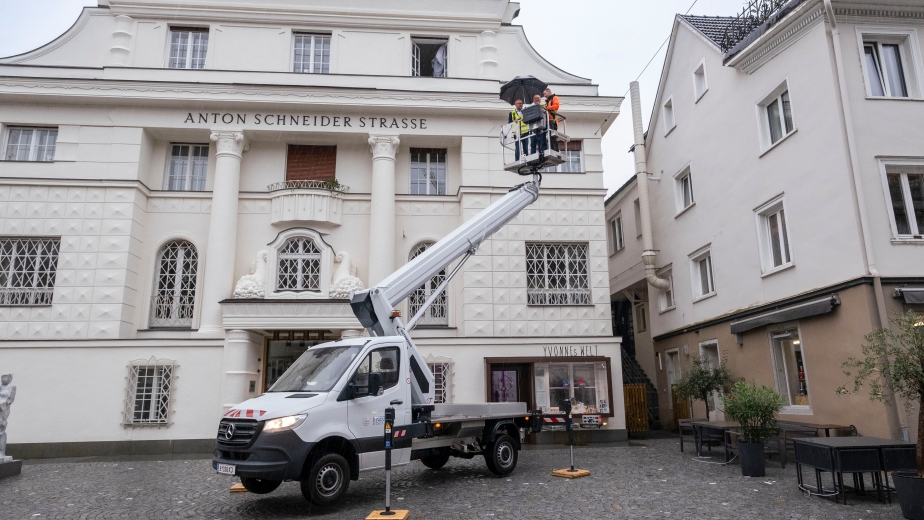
(429, 57)
(188, 47)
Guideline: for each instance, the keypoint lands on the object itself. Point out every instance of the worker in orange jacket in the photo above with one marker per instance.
(552, 104)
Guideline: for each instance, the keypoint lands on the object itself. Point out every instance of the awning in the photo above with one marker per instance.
(911, 295)
(803, 310)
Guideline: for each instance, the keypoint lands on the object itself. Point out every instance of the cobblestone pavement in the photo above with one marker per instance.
(649, 479)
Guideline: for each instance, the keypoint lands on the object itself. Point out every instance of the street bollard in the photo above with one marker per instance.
(389, 445)
(569, 425)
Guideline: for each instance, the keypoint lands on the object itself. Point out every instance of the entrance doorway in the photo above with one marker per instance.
(511, 383)
(284, 347)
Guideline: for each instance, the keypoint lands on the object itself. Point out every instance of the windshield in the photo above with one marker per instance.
(317, 370)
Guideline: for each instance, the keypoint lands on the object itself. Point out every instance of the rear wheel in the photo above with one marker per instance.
(260, 486)
(327, 481)
(437, 460)
(501, 455)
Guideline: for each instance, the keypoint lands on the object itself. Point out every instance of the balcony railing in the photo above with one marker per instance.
(172, 311)
(754, 14)
(307, 201)
(16, 296)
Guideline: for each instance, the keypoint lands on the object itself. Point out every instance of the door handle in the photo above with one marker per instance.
(396, 402)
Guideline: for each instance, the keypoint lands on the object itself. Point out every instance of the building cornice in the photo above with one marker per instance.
(778, 38)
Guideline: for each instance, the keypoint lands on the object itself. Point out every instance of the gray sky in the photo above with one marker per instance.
(609, 41)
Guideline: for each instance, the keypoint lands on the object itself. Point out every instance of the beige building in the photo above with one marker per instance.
(785, 174)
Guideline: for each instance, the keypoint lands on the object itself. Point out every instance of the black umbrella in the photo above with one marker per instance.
(522, 87)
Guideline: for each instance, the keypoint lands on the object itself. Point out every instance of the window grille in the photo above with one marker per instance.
(189, 166)
(299, 265)
(31, 144)
(27, 270)
(174, 297)
(428, 171)
(188, 48)
(557, 274)
(312, 53)
(148, 397)
(438, 313)
(441, 381)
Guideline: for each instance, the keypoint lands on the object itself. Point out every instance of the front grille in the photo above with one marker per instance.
(243, 432)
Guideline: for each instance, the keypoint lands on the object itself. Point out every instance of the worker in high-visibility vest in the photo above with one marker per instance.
(516, 115)
(552, 104)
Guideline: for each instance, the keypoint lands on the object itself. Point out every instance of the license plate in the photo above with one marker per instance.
(226, 469)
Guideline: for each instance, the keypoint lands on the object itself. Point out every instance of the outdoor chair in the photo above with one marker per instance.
(686, 429)
(896, 459)
(852, 462)
(786, 433)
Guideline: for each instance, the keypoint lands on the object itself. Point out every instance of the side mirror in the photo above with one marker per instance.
(375, 383)
(357, 391)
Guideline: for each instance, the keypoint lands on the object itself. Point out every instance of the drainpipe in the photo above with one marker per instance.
(897, 421)
(649, 255)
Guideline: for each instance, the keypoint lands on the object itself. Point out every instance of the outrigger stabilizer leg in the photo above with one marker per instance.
(569, 424)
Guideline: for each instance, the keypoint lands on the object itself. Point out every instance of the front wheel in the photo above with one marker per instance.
(327, 481)
(260, 486)
(501, 455)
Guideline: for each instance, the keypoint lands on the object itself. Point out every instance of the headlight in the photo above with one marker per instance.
(284, 423)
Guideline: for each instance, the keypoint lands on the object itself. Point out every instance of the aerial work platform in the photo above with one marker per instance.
(540, 147)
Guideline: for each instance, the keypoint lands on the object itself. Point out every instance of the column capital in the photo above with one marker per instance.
(383, 146)
(230, 143)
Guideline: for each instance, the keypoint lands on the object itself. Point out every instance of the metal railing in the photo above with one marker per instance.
(332, 186)
(535, 296)
(755, 13)
(26, 296)
(172, 311)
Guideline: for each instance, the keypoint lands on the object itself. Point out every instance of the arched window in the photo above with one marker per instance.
(438, 313)
(174, 297)
(299, 265)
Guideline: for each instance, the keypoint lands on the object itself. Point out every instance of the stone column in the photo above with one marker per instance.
(218, 273)
(382, 212)
(240, 366)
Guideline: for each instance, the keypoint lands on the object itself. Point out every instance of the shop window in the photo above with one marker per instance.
(188, 48)
(430, 57)
(27, 270)
(189, 166)
(311, 53)
(428, 171)
(438, 312)
(789, 368)
(150, 384)
(31, 144)
(585, 383)
(557, 274)
(174, 296)
(673, 373)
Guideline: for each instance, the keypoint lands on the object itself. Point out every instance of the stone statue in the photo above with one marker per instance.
(344, 279)
(7, 395)
(253, 285)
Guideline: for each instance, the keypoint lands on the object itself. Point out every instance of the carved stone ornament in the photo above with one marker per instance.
(384, 146)
(344, 280)
(230, 143)
(7, 395)
(253, 285)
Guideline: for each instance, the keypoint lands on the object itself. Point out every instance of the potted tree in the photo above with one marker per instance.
(754, 408)
(702, 379)
(893, 360)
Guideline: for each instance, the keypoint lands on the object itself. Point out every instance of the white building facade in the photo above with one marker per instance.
(784, 172)
(189, 191)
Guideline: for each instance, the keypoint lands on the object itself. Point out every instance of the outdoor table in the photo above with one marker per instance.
(840, 455)
(717, 430)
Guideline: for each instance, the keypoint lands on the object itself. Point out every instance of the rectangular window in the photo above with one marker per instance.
(673, 373)
(616, 233)
(557, 274)
(779, 117)
(311, 163)
(584, 383)
(189, 166)
(188, 47)
(666, 296)
(773, 236)
(31, 144)
(906, 194)
(430, 57)
(667, 115)
(641, 317)
(149, 387)
(885, 69)
(789, 367)
(703, 281)
(700, 86)
(573, 164)
(27, 270)
(683, 184)
(428, 171)
(312, 53)
(638, 218)
(441, 381)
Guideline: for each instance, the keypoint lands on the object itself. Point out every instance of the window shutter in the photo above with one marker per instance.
(311, 163)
